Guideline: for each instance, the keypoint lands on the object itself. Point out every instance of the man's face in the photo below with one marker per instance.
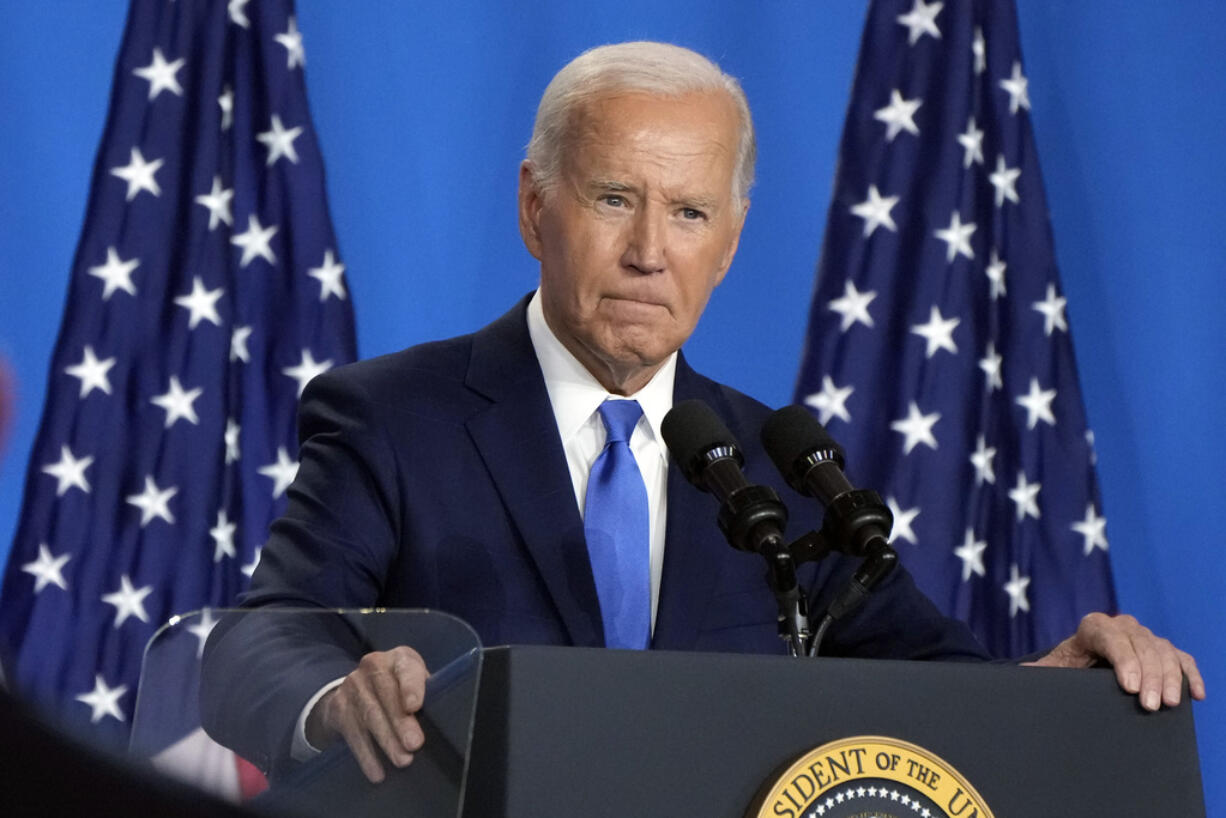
(637, 232)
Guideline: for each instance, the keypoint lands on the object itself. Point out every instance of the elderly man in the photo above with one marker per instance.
(470, 475)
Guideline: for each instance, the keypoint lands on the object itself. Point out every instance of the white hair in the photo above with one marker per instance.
(653, 68)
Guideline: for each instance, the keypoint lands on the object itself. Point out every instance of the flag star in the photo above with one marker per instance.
(1037, 403)
(921, 20)
(1052, 309)
(231, 438)
(218, 201)
(853, 306)
(280, 141)
(1090, 443)
(161, 75)
(223, 537)
(916, 428)
(201, 303)
(48, 569)
(238, 344)
(831, 402)
(255, 241)
(178, 402)
(153, 502)
(282, 472)
(980, 49)
(939, 332)
(69, 472)
(329, 276)
(202, 628)
(1093, 530)
(139, 174)
(128, 601)
(305, 370)
(1004, 179)
(898, 115)
(981, 459)
(292, 40)
(226, 103)
(990, 363)
(902, 521)
(115, 273)
(996, 275)
(875, 210)
(972, 144)
(237, 10)
(103, 700)
(1016, 86)
(1016, 589)
(957, 237)
(249, 568)
(971, 554)
(92, 372)
(1026, 496)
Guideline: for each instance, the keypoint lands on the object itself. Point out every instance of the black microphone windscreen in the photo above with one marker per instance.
(691, 429)
(791, 435)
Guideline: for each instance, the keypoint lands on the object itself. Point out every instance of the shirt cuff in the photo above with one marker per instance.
(301, 749)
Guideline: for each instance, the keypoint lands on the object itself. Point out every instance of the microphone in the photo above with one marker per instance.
(751, 517)
(856, 521)
(812, 463)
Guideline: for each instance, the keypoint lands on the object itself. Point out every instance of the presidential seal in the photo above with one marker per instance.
(869, 777)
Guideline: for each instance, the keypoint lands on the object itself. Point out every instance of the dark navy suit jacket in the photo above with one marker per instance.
(435, 477)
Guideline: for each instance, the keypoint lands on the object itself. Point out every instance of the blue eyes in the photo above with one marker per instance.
(690, 214)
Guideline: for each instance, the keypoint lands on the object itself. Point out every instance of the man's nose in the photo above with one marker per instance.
(645, 247)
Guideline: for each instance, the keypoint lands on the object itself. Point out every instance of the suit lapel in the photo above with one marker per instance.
(517, 438)
(694, 549)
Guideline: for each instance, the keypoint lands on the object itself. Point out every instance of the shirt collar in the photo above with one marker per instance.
(576, 394)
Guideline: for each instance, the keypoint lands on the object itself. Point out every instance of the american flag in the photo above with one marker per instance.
(938, 349)
(207, 289)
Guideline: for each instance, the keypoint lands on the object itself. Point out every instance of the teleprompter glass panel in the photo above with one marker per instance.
(221, 692)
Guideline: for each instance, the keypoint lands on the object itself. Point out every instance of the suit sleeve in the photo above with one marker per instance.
(896, 621)
(331, 549)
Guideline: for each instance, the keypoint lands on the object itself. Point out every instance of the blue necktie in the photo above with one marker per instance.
(618, 534)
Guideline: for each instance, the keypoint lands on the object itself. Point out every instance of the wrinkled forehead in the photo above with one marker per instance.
(613, 128)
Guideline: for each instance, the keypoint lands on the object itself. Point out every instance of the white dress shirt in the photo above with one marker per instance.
(575, 396)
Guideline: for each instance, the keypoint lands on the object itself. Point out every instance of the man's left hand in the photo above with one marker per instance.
(1145, 664)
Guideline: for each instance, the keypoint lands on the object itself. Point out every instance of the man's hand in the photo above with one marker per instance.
(1144, 664)
(376, 701)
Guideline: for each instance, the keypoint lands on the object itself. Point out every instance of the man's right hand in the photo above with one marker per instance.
(377, 701)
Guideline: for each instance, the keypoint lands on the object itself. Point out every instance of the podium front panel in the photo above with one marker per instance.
(571, 731)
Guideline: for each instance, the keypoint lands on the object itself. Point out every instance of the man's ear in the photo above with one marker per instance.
(531, 200)
(733, 243)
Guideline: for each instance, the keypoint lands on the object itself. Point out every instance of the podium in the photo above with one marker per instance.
(554, 731)
(566, 731)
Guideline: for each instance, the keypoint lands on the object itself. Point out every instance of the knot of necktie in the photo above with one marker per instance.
(620, 417)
